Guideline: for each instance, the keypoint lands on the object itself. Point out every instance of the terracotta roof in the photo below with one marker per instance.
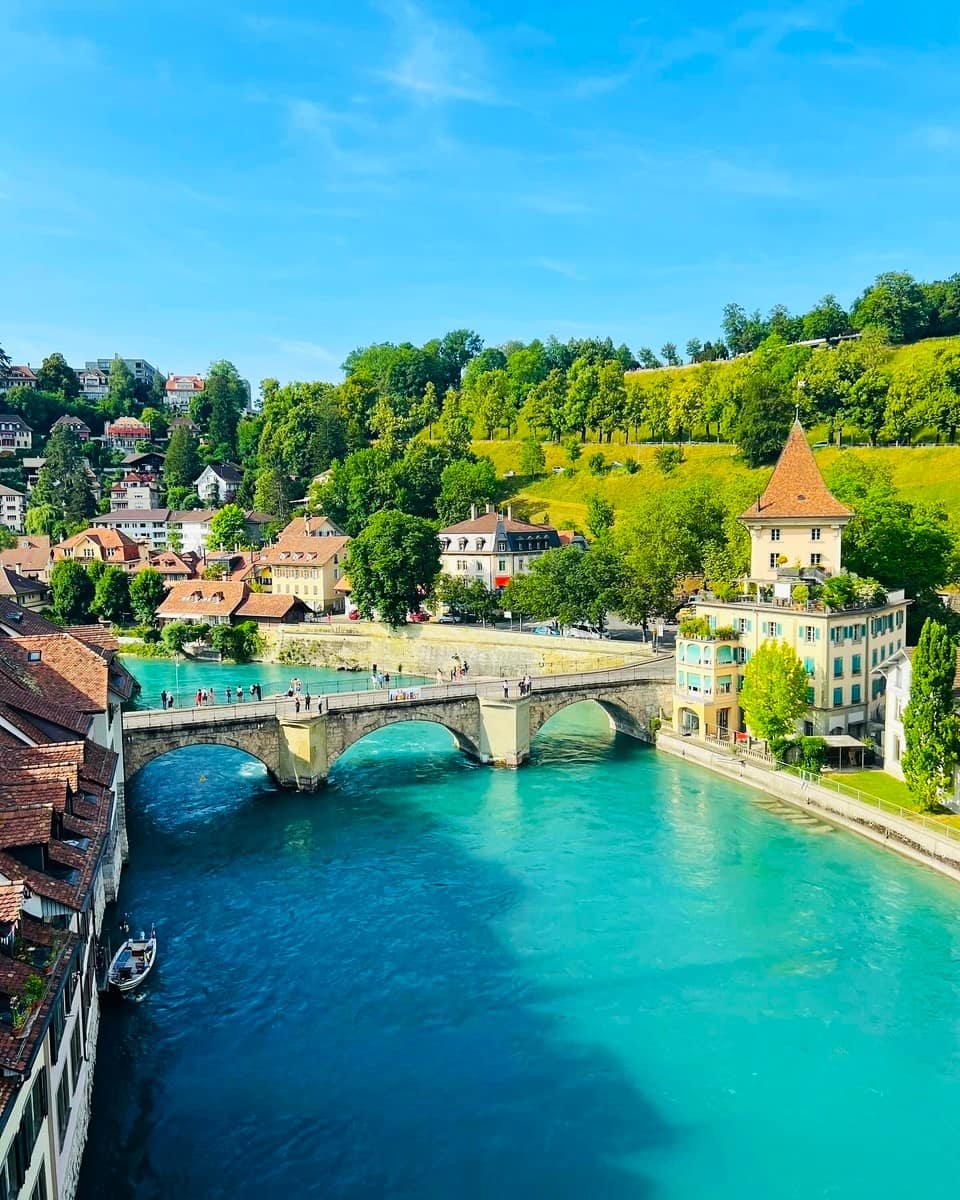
(184, 383)
(169, 563)
(488, 523)
(303, 551)
(310, 527)
(25, 824)
(261, 605)
(29, 556)
(796, 487)
(202, 598)
(11, 900)
(66, 671)
(114, 546)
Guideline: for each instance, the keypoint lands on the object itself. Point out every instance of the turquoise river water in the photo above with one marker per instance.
(607, 975)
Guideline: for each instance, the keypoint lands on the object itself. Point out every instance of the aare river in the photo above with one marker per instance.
(606, 975)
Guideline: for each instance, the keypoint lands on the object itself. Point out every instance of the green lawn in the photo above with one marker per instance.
(924, 473)
(879, 783)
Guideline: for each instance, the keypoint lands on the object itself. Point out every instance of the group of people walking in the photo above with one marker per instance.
(208, 695)
(524, 686)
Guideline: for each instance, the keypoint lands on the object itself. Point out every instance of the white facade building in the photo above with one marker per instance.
(13, 508)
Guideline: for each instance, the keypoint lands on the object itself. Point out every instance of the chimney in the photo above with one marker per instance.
(473, 512)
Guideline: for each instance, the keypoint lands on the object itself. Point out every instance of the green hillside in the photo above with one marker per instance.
(930, 474)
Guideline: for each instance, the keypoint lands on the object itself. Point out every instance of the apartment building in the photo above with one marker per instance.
(15, 433)
(796, 535)
(180, 391)
(493, 547)
(135, 492)
(219, 483)
(125, 433)
(17, 377)
(307, 566)
(94, 383)
(139, 368)
(13, 508)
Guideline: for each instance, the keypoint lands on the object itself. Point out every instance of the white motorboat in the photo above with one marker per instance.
(133, 962)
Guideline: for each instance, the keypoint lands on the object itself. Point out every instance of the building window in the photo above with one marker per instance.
(815, 560)
(63, 1105)
(838, 668)
(857, 665)
(774, 559)
(837, 697)
(501, 564)
(76, 1054)
(809, 667)
(774, 535)
(811, 696)
(855, 694)
(814, 535)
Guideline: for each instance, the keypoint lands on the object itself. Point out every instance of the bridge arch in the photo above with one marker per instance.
(628, 714)
(260, 742)
(465, 731)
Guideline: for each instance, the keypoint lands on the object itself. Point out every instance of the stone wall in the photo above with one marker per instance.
(422, 649)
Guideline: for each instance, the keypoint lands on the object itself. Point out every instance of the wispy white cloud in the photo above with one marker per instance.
(557, 267)
(438, 60)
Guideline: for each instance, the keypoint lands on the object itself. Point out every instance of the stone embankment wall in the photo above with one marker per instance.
(422, 649)
(906, 837)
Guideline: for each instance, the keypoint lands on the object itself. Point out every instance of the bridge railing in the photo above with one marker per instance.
(284, 706)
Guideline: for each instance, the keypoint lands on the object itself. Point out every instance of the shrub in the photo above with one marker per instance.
(800, 593)
(695, 627)
(813, 754)
(596, 463)
(725, 632)
(631, 466)
(667, 459)
(573, 449)
(780, 748)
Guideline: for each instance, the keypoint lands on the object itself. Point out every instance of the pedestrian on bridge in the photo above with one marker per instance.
(506, 690)
(163, 698)
(229, 694)
(239, 693)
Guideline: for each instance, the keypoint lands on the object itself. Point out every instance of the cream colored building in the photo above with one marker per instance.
(493, 547)
(307, 565)
(796, 529)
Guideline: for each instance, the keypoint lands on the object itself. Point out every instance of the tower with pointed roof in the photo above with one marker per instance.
(797, 522)
(796, 535)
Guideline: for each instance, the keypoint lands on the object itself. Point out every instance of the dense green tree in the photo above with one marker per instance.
(393, 565)
(931, 726)
(158, 420)
(607, 408)
(492, 401)
(671, 355)
(239, 642)
(600, 515)
(121, 393)
(54, 375)
(544, 407)
(224, 398)
(462, 484)
(72, 592)
(827, 319)
(895, 303)
(182, 465)
(454, 428)
(773, 695)
(111, 598)
(4, 363)
(304, 430)
(176, 635)
(764, 419)
(271, 494)
(648, 359)
(569, 585)
(228, 529)
(147, 592)
(456, 349)
(582, 386)
(532, 458)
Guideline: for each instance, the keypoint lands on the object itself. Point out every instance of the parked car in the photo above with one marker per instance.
(448, 618)
(354, 614)
(584, 631)
(547, 630)
(419, 617)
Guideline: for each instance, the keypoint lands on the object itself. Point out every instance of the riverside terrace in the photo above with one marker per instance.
(489, 720)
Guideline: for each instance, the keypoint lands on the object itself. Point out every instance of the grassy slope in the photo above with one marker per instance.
(927, 473)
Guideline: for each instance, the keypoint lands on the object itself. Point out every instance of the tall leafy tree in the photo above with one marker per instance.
(931, 726)
(223, 398)
(182, 464)
(111, 599)
(600, 515)
(54, 375)
(393, 566)
(228, 528)
(896, 303)
(147, 592)
(462, 484)
(774, 692)
(72, 592)
(121, 392)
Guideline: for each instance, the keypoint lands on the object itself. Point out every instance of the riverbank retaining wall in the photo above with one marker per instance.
(895, 833)
(425, 649)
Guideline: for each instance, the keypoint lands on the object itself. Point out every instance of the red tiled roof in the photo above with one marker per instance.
(796, 487)
(67, 671)
(260, 605)
(25, 824)
(308, 527)
(114, 546)
(305, 551)
(202, 598)
(11, 900)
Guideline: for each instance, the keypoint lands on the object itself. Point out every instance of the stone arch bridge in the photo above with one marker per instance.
(298, 749)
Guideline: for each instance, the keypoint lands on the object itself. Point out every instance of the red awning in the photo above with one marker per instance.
(501, 580)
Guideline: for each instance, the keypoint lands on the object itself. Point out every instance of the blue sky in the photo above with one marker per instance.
(278, 183)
